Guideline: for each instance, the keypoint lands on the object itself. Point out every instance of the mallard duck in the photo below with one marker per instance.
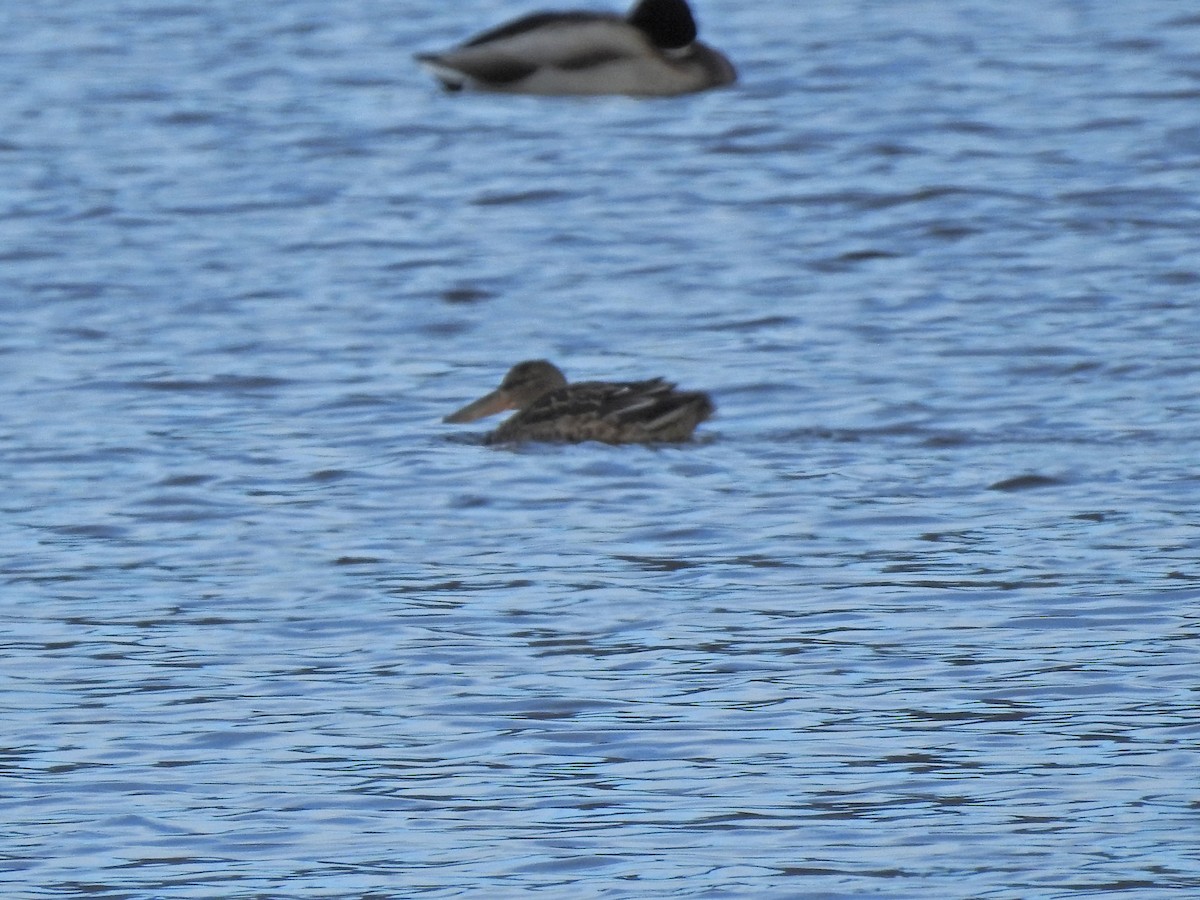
(652, 51)
(623, 412)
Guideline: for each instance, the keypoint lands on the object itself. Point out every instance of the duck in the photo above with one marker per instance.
(549, 408)
(650, 52)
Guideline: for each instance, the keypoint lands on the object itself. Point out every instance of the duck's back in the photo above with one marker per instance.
(615, 413)
(540, 26)
(554, 53)
(583, 53)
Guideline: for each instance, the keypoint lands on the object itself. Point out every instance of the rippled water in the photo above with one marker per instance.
(916, 616)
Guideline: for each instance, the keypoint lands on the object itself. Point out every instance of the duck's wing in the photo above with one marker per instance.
(614, 412)
(631, 410)
(635, 400)
(511, 52)
(535, 22)
(587, 400)
(457, 69)
(658, 410)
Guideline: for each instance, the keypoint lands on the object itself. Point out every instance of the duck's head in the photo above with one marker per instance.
(668, 23)
(524, 383)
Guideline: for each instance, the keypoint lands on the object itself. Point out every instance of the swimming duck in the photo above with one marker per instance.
(550, 409)
(652, 51)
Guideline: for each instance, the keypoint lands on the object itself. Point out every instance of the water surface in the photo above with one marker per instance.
(915, 615)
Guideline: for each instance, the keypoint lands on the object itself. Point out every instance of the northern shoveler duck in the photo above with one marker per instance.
(550, 409)
(652, 51)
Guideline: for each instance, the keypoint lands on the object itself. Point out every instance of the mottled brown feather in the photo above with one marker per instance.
(550, 409)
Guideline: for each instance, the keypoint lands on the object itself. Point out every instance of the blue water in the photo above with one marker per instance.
(915, 616)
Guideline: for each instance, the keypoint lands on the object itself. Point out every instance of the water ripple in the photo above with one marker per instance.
(914, 615)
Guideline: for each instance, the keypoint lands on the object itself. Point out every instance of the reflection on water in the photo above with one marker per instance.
(915, 616)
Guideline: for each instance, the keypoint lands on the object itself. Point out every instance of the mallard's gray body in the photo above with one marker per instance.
(651, 52)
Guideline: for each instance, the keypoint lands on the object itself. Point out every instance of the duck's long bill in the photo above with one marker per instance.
(497, 401)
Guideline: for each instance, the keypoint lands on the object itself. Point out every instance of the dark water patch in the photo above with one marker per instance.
(191, 118)
(65, 291)
(572, 865)
(1111, 124)
(23, 254)
(454, 585)
(421, 262)
(262, 294)
(468, 501)
(517, 198)
(447, 328)
(1133, 200)
(96, 532)
(171, 12)
(917, 433)
(1185, 139)
(340, 147)
(757, 323)
(83, 458)
(891, 150)
(1025, 483)
(774, 144)
(802, 435)
(1179, 278)
(976, 127)
(958, 537)
(360, 81)
(948, 439)
(1185, 95)
(1017, 352)
(559, 645)
(657, 563)
(124, 96)
(952, 231)
(851, 258)
(356, 401)
(226, 739)
(759, 561)
(474, 439)
(1059, 370)
(1136, 45)
(371, 245)
(183, 508)
(466, 295)
(325, 476)
(83, 333)
(244, 207)
(220, 384)
(185, 480)
(942, 192)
